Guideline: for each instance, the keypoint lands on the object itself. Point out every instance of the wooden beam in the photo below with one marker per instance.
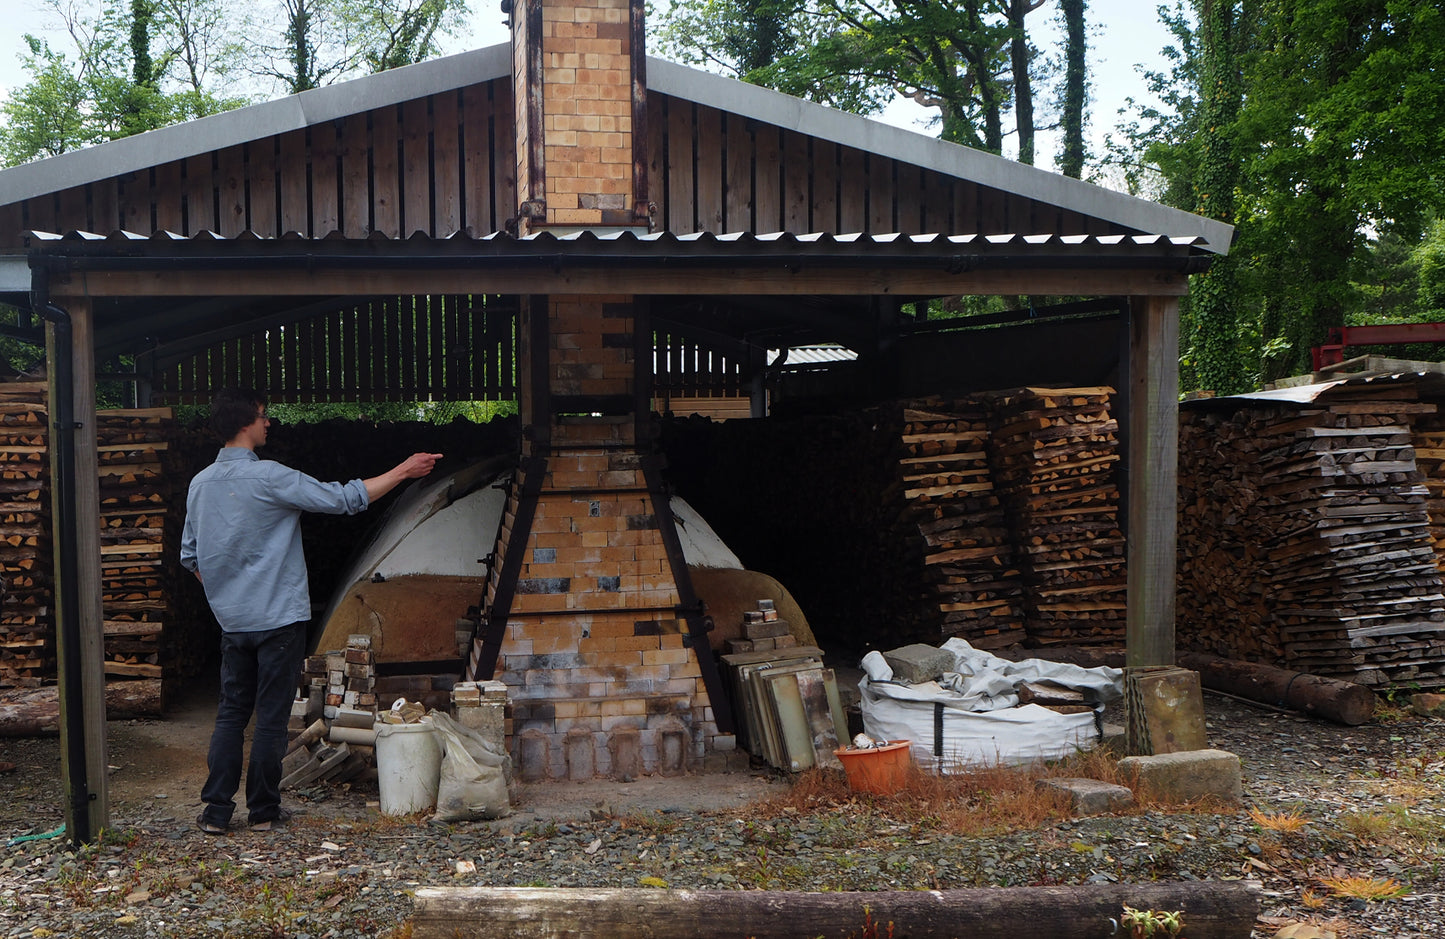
(613, 279)
(1153, 472)
(1212, 910)
(79, 532)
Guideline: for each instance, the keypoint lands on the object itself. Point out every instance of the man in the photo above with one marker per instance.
(242, 540)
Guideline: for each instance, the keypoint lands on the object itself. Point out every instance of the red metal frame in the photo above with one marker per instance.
(1332, 350)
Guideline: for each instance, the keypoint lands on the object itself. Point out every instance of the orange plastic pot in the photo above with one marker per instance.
(881, 770)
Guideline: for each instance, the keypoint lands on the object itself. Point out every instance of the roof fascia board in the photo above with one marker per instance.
(14, 274)
(229, 128)
(815, 120)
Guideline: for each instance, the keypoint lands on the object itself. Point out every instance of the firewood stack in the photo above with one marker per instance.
(1305, 541)
(27, 648)
(1053, 452)
(969, 575)
(1429, 439)
(137, 535)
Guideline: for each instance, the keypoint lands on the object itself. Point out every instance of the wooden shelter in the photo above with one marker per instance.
(546, 221)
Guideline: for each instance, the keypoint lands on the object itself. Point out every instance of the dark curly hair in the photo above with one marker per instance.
(232, 409)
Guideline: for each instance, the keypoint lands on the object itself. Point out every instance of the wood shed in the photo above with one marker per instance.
(569, 223)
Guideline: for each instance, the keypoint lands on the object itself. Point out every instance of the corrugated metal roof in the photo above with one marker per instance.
(359, 95)
(960, 252)
(1422, 382)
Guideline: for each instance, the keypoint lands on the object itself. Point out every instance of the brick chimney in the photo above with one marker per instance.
(579, 80)
(589, 617)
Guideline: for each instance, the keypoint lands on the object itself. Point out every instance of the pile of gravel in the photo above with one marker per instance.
(1372, 798)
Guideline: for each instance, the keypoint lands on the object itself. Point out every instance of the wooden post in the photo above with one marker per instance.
(1153, 463)
(80, 532)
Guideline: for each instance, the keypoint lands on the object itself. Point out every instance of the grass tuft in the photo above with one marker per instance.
(1366, 888)
(1284, 823)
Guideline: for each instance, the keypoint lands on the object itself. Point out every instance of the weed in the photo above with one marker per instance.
(1365, 888)
(1284, 823)
(1145, 923)
(1311, 900)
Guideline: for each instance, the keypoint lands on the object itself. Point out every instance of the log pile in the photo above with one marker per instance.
(1053, 453)
(1304, 539)
(27, 646)
(138, 536)
(953, 514)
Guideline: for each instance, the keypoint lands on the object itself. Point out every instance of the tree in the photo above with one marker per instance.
(1213, 294)
(114, 86)
(323, 41)
(1075, 89)
(970, 59)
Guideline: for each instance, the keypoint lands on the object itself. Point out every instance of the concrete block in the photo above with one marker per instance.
(1090, 796)
(918, 663)
(1186, 775)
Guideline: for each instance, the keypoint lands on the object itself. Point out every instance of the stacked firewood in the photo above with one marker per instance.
(953, 512)
(1304, 539)
(1429, 440)
(27, 648)
(138, 535)
(1053, 452)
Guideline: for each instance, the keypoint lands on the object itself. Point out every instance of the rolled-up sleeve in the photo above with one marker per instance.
(294, 489)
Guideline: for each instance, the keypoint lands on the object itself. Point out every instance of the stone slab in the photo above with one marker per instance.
(918, 663)
(1186, 775)
(1090, 796)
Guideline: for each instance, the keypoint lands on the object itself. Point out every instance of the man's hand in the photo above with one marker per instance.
(413, 467)
(417, 465)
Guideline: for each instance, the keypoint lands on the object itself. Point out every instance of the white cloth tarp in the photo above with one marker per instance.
(971, 716)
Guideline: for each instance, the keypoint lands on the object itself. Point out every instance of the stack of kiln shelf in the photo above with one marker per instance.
(787, 707)
(1053, 452)
(27, 650)
(954, 511)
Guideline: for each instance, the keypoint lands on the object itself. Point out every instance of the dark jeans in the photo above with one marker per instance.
(259, 672)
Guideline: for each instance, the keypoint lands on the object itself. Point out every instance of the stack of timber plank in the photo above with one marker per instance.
(138, 535)
(1305, 539)
(1053, 452)
(27, 646)
(952, 512)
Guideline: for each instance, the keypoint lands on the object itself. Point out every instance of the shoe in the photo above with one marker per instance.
(281, 817)
(210, 828)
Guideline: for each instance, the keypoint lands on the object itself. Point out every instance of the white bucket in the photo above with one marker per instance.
(408, 767)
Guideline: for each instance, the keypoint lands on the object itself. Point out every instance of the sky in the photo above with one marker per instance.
(1126, 33)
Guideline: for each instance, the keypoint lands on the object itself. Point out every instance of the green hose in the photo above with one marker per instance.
(40, 837)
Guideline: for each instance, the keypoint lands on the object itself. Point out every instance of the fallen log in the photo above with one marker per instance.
(1212, 910)
(35, 712)
(1343, 702)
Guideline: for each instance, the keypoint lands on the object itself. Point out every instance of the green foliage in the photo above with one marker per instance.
(297, 45)
(113, 86)
(1329, 161)
(970, 59)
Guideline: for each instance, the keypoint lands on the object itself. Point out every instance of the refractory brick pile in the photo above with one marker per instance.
(1304, 539)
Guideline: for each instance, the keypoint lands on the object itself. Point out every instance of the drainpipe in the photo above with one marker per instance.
(62, 414)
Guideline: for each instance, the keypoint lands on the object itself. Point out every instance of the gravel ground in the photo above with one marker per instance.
(1371, 800)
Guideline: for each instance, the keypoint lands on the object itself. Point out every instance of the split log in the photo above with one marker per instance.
(1212, 910)
(1343, 702)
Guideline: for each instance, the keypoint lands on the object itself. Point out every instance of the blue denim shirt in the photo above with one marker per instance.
(243, 536)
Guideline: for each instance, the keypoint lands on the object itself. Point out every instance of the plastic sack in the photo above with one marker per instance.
(474, 773)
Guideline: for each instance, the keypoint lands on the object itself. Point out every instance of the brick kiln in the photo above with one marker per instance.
(589, 615)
